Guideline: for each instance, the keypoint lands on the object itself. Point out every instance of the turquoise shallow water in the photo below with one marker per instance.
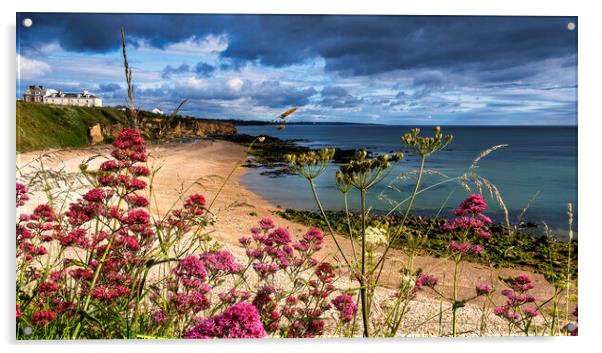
(540, 160)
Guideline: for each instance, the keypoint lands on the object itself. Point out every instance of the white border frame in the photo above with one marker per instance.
(589, 78)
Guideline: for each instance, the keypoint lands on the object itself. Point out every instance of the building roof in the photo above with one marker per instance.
(52, 93)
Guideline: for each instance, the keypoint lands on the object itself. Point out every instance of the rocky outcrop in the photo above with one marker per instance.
(95, 134)
(159, 128)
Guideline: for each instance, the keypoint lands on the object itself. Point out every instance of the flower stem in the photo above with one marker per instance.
(363, 282)
(381, 262)
(455, 298)
(317, 199)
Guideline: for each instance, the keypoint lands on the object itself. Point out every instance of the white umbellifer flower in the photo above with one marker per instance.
(376, 236)
(408, 282)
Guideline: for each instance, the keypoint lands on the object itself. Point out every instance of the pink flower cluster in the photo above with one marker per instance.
(22, 194)
(274, 248)
(425, 280)
(470, 226)
(516, 310)
(238, 321)
(465, 247)
(220, 263)
(304, 312)
(345, 306)
(111, 250)
(470, 217)
(484, 289)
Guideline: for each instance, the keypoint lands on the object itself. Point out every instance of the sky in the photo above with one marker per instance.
(425, 70)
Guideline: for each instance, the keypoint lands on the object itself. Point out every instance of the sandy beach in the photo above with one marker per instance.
(203, 166)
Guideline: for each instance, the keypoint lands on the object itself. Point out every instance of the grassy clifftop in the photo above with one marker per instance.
(42, 126)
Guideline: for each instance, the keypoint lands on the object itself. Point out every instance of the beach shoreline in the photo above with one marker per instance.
(203, 165)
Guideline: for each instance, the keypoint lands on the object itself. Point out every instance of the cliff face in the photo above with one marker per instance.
(41, 126)
(159, 128)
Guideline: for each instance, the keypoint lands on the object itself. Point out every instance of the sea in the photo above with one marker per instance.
(535, 173)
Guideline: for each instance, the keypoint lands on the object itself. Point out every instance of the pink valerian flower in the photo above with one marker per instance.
(136, 200)
(22, 194)
(530, 312)
(506, 313)
(76, 237)
(18, 311)
(465, 247)
(96, 195)
(325, 272)
(521, 283)
(469, 227)
(425, 280)
(195, 204)
(312, 241)
(110, 166)
(238, 321)
(483, 289)
(129, 146)
(192, 301)
(44, 212)
(473, 204)
(139, 170)
(517, 298)
(136, 216)
(266, 223)
(109, 293)
(47, 288)
(345, 306)
(159, 317)
(245, 241)
(469, 215)
(234, 296)
(191, 271)
(43, 317)
(267, 307)
(220, 261)
(264, 269)
(280, 236)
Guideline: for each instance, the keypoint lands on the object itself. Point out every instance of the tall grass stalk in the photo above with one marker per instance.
(568, 265)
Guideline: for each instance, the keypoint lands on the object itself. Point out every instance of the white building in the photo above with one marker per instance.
(157, 111)
(39, 94)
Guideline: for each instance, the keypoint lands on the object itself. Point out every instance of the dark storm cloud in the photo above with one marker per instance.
(109, 87)
(271, 94)
(203, 69)
(350, 45)
(338, 97)
(169, 70)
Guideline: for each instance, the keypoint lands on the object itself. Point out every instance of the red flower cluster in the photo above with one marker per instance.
(515, 310)
(22, 195)
(470, 226)
(238, 321)
(346, 307)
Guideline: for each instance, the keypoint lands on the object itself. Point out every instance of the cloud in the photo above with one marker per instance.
(28, 68)
(203, 69)
(275, 94)
(109, 87)
(351, 45)
(393, 67)
(168, 70)
(337, 97)
(193, 45)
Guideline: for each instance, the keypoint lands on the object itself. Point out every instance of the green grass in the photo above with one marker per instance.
(42, 126)
(523, 250)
